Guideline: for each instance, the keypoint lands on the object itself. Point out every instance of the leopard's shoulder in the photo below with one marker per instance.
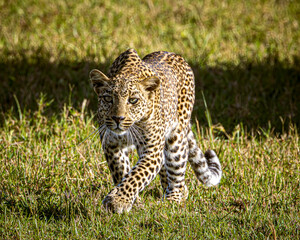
(127, 59)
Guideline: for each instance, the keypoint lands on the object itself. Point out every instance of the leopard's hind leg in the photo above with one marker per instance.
(176, 157)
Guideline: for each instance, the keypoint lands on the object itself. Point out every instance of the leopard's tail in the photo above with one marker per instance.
(207, 167)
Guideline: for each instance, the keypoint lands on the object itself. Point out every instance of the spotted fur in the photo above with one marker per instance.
(147, 103)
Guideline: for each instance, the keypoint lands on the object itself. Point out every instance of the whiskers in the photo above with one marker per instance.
(103, 134)
(93, 134)
(101, 131)
(135, 136)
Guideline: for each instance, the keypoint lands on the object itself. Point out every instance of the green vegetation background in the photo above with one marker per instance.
(246, 60)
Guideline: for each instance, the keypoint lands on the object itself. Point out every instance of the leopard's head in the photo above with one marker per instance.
(123, 99)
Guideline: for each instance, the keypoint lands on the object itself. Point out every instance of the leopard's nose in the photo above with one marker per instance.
(118, 119)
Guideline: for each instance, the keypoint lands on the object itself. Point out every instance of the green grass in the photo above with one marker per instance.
(245, 55)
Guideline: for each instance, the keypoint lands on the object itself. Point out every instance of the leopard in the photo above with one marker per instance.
(146, 105)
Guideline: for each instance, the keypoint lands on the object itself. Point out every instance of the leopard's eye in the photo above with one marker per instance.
(133, 100)
(108, 99)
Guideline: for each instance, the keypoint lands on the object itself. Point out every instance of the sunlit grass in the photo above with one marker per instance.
(53, 180)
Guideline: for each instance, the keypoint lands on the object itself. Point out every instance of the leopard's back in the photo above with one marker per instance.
(174, 70)
(177, 85)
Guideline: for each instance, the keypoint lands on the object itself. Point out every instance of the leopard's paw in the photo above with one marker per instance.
(177, 194)
(116, 202)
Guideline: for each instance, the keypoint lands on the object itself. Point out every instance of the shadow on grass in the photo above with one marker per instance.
(252, 93)
(257, 94)
(64, 82)
(47, 205)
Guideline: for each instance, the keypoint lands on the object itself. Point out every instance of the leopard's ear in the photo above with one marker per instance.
(98, 79)
(151, 83)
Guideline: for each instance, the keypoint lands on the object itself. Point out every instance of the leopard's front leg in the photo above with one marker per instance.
(116, 154)
(121, 198)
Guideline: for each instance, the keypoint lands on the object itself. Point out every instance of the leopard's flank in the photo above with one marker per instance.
(147, 104)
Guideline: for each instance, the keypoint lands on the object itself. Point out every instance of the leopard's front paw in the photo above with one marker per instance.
(116, 202)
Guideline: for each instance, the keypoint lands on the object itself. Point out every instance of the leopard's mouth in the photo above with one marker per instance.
(119, 130)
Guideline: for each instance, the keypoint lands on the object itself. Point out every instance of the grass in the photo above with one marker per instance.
(53, 176)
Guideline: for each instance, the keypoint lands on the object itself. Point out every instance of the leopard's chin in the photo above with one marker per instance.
(119, 131)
